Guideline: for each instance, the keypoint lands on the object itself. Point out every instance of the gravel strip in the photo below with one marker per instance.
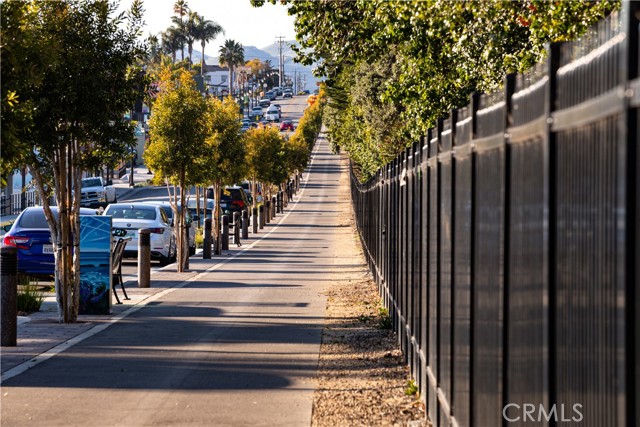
(362, 377)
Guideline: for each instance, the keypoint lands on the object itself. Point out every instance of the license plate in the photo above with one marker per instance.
(47, 249)
(132, 233)
(223, 205)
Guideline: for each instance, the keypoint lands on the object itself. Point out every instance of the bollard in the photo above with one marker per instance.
(245, 224)
(144, 258)
(261, 217)
(254, 220)
(9, 296)
(206, 248)
(287, 196)
(225, 232)
(274, 206)
(236, 227)
(279, 202)
(267, 217)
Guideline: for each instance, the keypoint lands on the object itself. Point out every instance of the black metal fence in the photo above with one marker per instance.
(505, 244)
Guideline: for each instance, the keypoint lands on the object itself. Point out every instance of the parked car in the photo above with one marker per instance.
(134, 216)
(264, 102)
(232, 199)
(272, 114)
(286, 125)
(166, 206)
(196, 215)
(246, 185)
(31, 236)
(256, 112)
(96, 192)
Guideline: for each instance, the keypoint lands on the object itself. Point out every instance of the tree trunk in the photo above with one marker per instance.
(217, 242)
(202, 60)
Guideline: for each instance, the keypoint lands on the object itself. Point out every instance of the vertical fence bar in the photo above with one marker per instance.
(424, 263)
(445, 253)
(488, 277)
(461, 268)
(527, 353)
(433, 326)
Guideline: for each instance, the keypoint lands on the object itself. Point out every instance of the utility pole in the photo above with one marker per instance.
(280, 41)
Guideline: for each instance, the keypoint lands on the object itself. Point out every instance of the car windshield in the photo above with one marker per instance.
(92, 182)
(131, 212)
(34, 218)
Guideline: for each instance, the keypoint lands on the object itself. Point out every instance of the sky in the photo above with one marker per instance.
(241, 22)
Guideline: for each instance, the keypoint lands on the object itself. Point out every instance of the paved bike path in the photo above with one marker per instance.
(237, 344)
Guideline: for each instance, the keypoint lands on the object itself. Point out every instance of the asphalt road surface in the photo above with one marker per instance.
(239, 346)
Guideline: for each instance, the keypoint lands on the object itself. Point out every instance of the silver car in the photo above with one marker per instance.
(166, 207)
(134, 216)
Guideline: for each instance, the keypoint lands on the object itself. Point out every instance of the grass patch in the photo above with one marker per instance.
(199, 237)
(384, 320)
(30, 295)
(411, 389)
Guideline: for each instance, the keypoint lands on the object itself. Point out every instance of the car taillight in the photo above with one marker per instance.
(159, 230)
(16, 242)
(238, 203)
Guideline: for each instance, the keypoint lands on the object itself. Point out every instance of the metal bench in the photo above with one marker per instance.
(116, 270)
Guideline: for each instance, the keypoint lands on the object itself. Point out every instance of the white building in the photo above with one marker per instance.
(216, 79)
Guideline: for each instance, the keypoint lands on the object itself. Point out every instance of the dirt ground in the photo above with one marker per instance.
(362, 377)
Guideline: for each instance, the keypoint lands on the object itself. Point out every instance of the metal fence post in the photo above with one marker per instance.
(225, 232)
(9, 296)
(267, 218)
(254, 220)
(261, 217)
(206, 249)
(245, 223)
(144, 258)
(236, 227)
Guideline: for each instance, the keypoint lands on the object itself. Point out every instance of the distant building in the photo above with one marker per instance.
(215, 78)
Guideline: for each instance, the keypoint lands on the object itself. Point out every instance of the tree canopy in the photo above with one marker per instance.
(429, 56)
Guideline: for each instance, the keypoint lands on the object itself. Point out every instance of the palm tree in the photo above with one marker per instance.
(180, 27)
(180, 9)
(231, 54)
(171, 42)
(206, 31)
(154, 47)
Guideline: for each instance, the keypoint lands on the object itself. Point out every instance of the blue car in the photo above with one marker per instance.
(30, 234)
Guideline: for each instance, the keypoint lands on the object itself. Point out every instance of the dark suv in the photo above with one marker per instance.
(233, 199)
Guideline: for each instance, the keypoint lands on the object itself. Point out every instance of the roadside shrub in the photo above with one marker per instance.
(384, 320)
(199, 237)
(30, 296)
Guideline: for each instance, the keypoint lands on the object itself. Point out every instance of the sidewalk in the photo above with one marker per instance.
(40, 334)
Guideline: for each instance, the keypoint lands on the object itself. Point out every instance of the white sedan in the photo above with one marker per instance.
(134, 216)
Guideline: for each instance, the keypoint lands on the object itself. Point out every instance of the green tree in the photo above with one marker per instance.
(178, 129)
(442, 51)
(224, 158)
(206, 31)
(180, 10)
(264, 146)
(171, 41)
(80, 79)
(231, 55)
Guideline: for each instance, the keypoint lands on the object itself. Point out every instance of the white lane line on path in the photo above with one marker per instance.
(25, 366)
